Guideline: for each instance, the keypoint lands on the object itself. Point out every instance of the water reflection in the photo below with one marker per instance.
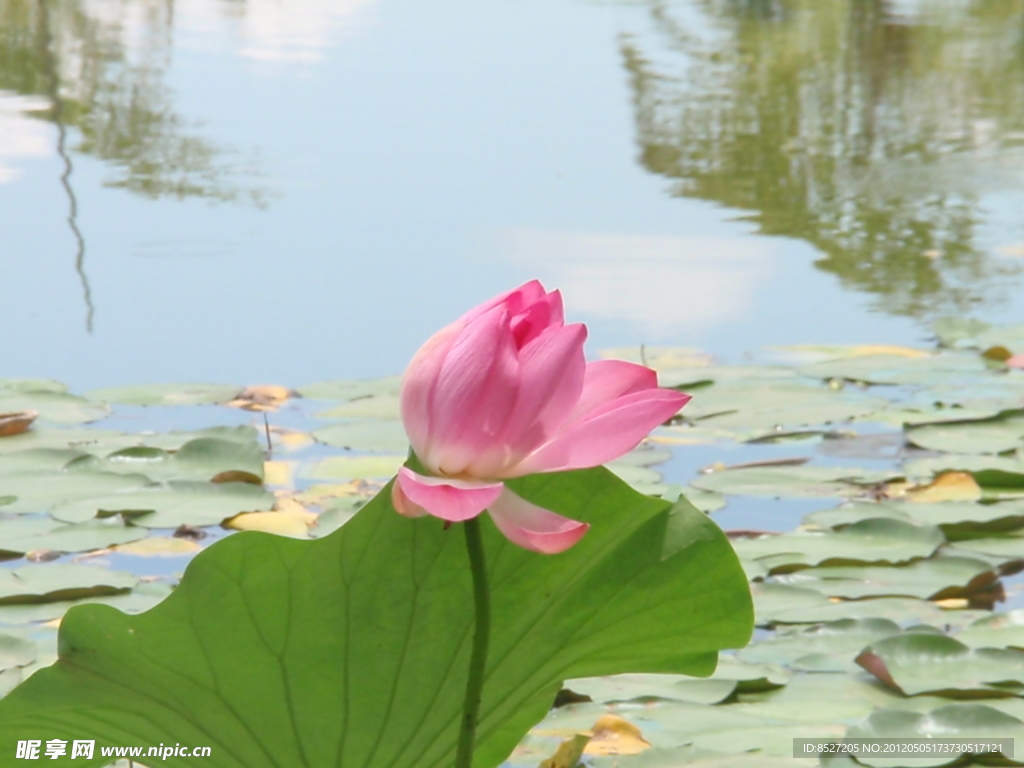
(884, 134)
(102, 66)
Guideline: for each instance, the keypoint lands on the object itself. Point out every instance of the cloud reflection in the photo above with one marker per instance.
(23, 135)
(662, 284)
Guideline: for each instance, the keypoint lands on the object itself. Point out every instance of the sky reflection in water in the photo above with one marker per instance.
(270, 192)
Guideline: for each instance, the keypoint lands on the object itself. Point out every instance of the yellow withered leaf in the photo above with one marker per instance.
(166, 546)
(949, 486)
(279, 473)
(262, 397)
(568, 753)
(293, 520)
(611, 735)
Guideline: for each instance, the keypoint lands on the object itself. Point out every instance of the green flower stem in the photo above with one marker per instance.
(481, 637)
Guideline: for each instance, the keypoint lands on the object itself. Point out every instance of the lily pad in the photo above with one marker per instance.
(925, 468)
(40, 491)
(19, 386)
(845, 638)
(370, 407)
(36, 460)
(917, 662)
(45, 533)
(54, 407)
(54, 582)
(352, 389)
(777, 404)
(367, 435)
(15, 652)
(996, 435)
(165, 394)
(957, 519)
(1000, 630)
(935, 578)
(352, 467)
(142, 597)
(968, 721)
(650, 687)
(892, 369)
(168, 505)
(876, 540)
(202, 458)
(101, 442)
(899, 609)
(806, 481)
(959, 331)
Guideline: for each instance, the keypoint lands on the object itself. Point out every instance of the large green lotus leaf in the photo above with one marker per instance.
(876, 540)
(366, 435)
(168, 505)
(958, 720)
(199, 459)
(36, 460)
(56, 407)
(786, 481)
(40, 491)
(165, 394)
(352, 389)
(349, 650)
(893, 369)
(18, 386)
(845, 637)
(996, 435)
(101, 442)
(919, 662)
(52, 582)
(20, 536)
(1000, 630)
(935, 578)
(383, 406)
(355, 467)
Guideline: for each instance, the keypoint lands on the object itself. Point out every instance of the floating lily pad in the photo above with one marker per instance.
(958, 331)
(924, 468)
(367, 435)
(643, 479)
(996, 435)
(54, 582)
(935, 578)
(55, 407)
(1000, 630)
(102, 442)
(805, 481)
(647, 687)
(19, 386)
(768, 405)
(900, 609)
(957, 519)
(968, 721)
(169, 505)
(352, 389)
(369, 407)
(141, 598)
(20, 536)
(352, 467)
(165, 394)
(845, 638)
(15, 652)
(892, 369)
(40, 491)
(876, 540)
(916, 663)
(36, 460)
(202, 458)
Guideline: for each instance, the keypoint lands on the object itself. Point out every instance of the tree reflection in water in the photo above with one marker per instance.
(870, 134)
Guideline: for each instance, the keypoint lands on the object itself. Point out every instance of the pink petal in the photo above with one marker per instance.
(418, 386)
(606, 380)
(475, 393)
(605, 432)
(1017, 361)
(545, 313)
(550, 380)
(533, 527)
(515, 301)
(443, 497)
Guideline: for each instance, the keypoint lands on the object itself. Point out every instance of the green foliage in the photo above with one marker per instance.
(351, 650)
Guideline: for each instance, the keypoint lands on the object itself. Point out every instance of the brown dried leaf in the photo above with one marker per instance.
(16, 423)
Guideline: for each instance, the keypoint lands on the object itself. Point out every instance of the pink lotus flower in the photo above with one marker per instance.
(505, 391)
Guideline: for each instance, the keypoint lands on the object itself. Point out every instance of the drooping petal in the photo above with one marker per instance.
(606, 432)
(418, 386)
(475, 393)
(533, 527)
(443, 497)
(550, 380)
(606, 380)
(538, 317)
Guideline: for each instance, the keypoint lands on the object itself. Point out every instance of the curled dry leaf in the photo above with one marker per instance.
(568, 753)
(17, 422)
(262, 397)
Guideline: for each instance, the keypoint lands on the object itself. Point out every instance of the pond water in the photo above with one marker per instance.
(245, 191)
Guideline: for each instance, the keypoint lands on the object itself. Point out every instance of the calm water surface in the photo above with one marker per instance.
(259, 191)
